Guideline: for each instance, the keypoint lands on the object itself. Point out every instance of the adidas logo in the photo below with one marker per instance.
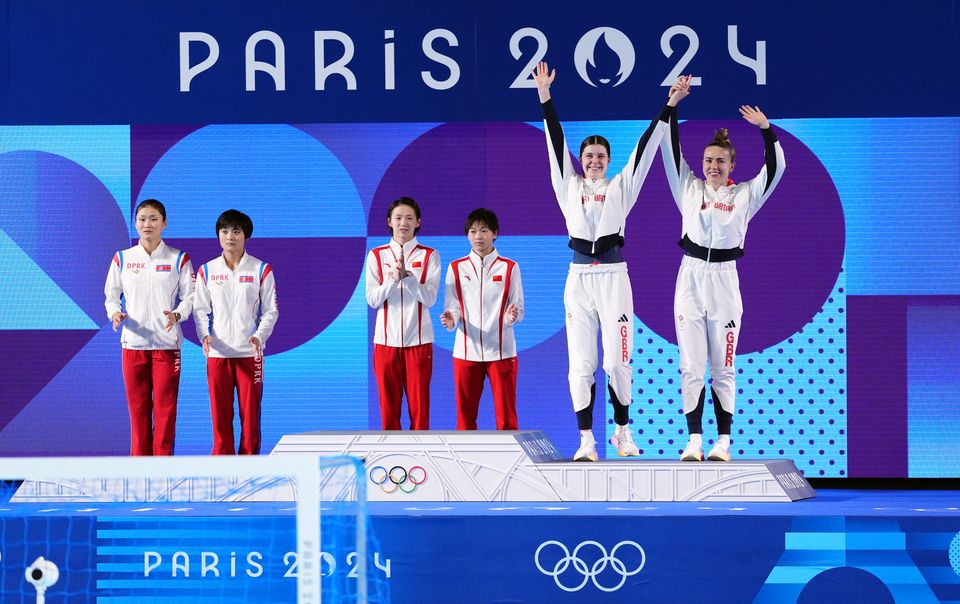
(730, 325)
(623, 319)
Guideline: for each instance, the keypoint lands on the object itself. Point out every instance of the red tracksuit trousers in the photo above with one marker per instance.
(152, 381)
(404, 370)
(468, 377)
(245, 377)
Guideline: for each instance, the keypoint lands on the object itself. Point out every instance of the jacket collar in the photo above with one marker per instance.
(485, 262)
(407, 248)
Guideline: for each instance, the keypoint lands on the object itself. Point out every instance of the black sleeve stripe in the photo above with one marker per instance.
(675, 138)
(555, 130)
(642, 143)
(769, 155)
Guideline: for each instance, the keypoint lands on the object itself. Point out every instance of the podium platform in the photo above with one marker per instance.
(481, 466)
(526, 466)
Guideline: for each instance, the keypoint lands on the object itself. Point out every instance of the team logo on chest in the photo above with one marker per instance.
(246, 278)
(717, 205)
(163, 268)
(498, 278)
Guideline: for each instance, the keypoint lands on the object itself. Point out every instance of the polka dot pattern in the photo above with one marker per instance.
(955, 554)
(791, 397)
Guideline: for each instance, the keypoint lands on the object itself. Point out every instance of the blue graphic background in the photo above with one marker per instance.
(864, 217)
(893, 553)
(792, 395)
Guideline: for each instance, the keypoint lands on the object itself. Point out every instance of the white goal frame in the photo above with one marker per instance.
(304, 471)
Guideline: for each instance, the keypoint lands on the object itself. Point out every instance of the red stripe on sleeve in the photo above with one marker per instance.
(376, 255)
(266, 271)
(386, 308)
(503, 301)
(386, 303)
(423, 279)
(463, 315)
(426, 263)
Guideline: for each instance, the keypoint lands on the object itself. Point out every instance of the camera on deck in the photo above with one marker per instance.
(42, 574)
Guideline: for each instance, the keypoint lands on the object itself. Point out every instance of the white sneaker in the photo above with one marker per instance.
(720, 451)
(588, 448)
(623, 441)
(693, 451)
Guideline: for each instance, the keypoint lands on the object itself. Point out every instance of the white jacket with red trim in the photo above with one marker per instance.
(403, 308)
(149, 285)
(234, 305)
(477, 292)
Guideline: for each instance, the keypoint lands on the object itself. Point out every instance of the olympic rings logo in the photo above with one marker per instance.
(590, 572)
(402, 479)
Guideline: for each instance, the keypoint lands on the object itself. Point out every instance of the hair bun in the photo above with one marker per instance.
(721, 137)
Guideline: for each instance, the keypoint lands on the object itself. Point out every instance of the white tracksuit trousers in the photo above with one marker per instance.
(599, 296)
(706, 310)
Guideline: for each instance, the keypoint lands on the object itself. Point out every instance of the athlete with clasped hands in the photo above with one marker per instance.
(402, 282)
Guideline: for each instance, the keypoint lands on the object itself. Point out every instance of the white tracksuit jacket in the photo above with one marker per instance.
(403, 309)
(718, 219)
(149, 285)
(707, 303)
(477, 291)
(596, 211)
(240, 304)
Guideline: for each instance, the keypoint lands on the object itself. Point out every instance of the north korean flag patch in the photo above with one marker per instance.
(498, 277)
(417, 264)
(163, 268)
(246, 278)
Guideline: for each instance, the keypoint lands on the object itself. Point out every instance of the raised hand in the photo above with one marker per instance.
(680, 90)
(754, 116)
(543, 77)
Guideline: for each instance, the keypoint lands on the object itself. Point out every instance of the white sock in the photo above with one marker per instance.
(587, 436)
(696, 438)
(724, 439)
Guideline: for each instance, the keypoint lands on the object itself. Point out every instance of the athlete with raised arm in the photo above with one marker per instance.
(707, 305)
(598, 294)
